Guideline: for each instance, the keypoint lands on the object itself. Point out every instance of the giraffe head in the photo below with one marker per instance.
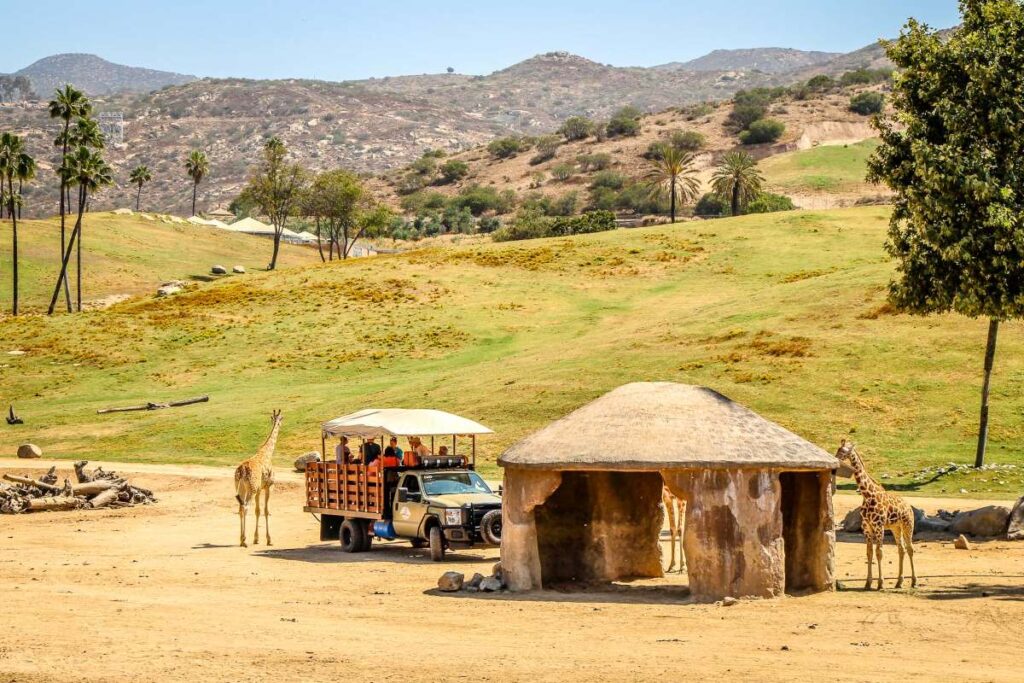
(845, 452)
(275, 418)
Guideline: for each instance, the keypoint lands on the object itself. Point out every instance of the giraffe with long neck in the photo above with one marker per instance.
(881, 510)
(254, 477)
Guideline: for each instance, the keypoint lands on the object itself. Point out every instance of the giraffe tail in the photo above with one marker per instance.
(239, 499)
(240, 476)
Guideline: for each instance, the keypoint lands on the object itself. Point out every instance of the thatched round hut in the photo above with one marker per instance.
(582, 496)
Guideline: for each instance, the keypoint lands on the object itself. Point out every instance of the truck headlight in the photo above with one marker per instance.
(453, 517)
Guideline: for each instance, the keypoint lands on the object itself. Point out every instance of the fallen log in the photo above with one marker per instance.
(155, 406)
(105, 498)
(33, 482)
(92, 488)
(54, 503)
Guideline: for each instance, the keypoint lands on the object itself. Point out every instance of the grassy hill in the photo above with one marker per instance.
(783, 312)
(128, 254)
(830, 171)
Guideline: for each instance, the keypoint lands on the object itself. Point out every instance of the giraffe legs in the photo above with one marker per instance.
(878, 556)
(266, 512)
(902, 552)
(242, 509)
(670, 510)
(908, 535)
(256, 535)
(867, 543)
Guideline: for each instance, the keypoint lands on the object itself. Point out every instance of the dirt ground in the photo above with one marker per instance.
(165, 593)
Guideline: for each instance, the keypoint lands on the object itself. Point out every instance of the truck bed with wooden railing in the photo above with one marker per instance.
(354, 490)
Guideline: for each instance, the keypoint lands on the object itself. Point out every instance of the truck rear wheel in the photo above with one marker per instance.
(353, 536)
(490, 527)
(367, 538)
(418, 543)
(436, 544)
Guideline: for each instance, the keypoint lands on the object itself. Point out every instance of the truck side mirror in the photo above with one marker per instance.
(403, 495)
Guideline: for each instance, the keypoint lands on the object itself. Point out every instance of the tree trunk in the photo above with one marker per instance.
(14, 250)
(673, 199)
(64, 264)
(277, 246)
(319, 242)
(990, 356)
(736, 199)
(20, 187)
(195, 188)
(138, 198)
(56, 503)
(64, 206)
(78, 260)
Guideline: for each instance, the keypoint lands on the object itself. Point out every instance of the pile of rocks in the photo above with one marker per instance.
(453, 582)
(987, 522)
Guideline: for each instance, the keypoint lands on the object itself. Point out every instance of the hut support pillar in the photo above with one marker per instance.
(733, 539)
(524, 490)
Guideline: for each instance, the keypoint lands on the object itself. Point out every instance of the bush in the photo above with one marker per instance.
(577, 128)
(688, 140)
(503, 148)
(712, 206)
(611, 180)
(454, 170)
(766, 202)
(743, 115)
(546, 147)
(423, 201)
(865, 77)
(867, 103)
(479, 200)
(563, 172)
(765, 130)
(594, 162)
(696, 111)
(626, 121)
(488, 224)
(590, 222)
(424, 166)
(458, 219)
(411, 183)
(529, 224)
(655, 150)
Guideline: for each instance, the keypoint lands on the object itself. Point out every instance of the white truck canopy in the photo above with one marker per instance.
(374, 422)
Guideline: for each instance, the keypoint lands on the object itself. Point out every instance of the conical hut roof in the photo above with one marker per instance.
(663, 425)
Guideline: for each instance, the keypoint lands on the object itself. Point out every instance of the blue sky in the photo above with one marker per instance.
(362, 38)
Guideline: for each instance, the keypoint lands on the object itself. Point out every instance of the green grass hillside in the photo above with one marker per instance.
(127, 254)
(829, 169)
(783, 312)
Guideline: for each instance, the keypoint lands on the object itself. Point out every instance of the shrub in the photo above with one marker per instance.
(820, 83)
(867, 103)
(423, 201)
(696, 111)
(638, 198)
(655, 150)
(688, 140)
(424, 166)
(488, 224)
(765, 130)
(743, 115)
(546, 147)
(608, 179)
(626, 121)
(577, 128)
(594, 162)
(563, 172)
(592, 221)
(503, 148)
(458, 219)
(479, 200)
(766, 202)
(529, 224)
(537, 179)
(454, 170)
(712, 205)
(865, 77)
(413, 182)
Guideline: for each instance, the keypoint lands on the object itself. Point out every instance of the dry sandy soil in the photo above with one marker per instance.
(164, 593)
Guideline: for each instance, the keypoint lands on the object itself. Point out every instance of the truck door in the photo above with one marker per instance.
(408, 515)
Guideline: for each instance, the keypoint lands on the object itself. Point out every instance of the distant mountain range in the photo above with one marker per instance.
(370, 125)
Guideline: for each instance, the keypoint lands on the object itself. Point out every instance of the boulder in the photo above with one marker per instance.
(496, 571)
(305, 459)
(238, 269)
(491, 584)
(29, 450)
(961, 543)
(1015, 529)
(168, 290)
(219, 270)
(729, 601)
(450, 582)
(853, 522)
(990, 520)
(475, 581)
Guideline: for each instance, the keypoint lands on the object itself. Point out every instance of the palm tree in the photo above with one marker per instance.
(25, 172)
(86, 133)
(737, 177)
(87, 170)
(68, 104)
(196, 166)
(14, 163)
(673, 173)
(140, 175)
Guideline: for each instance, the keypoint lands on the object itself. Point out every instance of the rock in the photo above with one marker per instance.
(490, 584)
(1015, 529)
(168, 290)
(729, 601)
(451, 582)
(305, 459)
(219, 270)
(28, 451)
(853, 522)
(931, 524)
(961, 543)
(474, 582)
(496, 571)
(238, 269)
(990, 520)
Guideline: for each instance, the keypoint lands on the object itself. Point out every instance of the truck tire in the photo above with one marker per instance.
(353, 536)
(436, 544)
(490, 527)
(419, 543)
(367, 538)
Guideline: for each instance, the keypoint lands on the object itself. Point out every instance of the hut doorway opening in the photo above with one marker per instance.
(803, 500)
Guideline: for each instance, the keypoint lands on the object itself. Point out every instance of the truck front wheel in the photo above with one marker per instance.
(436, 544)
(490, 527)
(353, 536)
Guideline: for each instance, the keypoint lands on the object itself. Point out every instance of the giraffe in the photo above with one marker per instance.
(674, 508)
(255, 476)
(881, 510)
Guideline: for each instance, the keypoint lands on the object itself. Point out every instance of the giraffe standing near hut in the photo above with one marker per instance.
(674, 509)
(881, 510)
(255, 476)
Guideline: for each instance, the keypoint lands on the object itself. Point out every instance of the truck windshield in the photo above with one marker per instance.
(444, 483)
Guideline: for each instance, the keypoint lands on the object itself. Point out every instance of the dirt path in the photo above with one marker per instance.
(164, 593)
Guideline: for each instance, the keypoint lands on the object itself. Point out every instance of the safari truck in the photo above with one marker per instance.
(435, 501)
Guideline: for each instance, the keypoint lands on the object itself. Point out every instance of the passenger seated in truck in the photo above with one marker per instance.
(417, 451)
(370, 451)
(342, 453)
(393, 454)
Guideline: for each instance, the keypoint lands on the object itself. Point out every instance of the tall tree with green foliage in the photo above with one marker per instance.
(15, 164)
(674, 174)
(196, 167)
(277, 187)
(736, 177)
(86, 170)
(68, 104)
(139, 176)
(953, 154)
